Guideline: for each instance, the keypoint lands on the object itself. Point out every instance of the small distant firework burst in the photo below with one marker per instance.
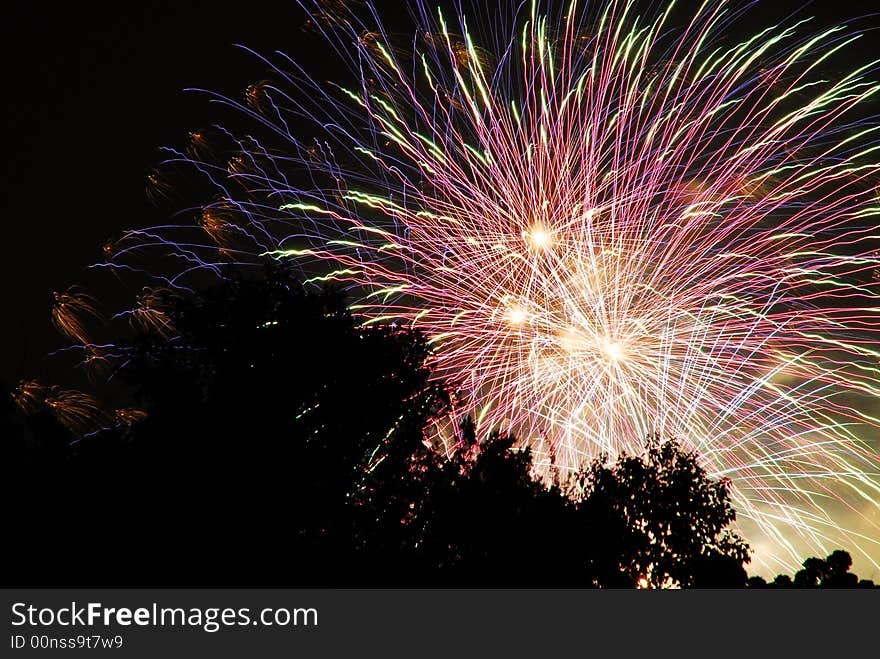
(71, 312)
(77, 411)
(607, 225)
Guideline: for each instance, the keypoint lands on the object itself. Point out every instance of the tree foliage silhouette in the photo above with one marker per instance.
(831, 572)
(283, 442)
(477, 516)
(668, 520)
(280, 404)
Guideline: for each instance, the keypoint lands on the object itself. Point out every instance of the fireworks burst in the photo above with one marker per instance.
(77, 411)
(609, 227)
(71, 311)
(29, 395)
(151, 314)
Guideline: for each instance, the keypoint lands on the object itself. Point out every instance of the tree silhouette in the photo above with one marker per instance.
(830, 572)
(782, 581)
(812, 574)
(480, 517)
(263, 411)
(667, 518)
(273, 439)
(278, 403)
(837, 574)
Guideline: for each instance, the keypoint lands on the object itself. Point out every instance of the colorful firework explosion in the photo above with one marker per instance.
(608, 226)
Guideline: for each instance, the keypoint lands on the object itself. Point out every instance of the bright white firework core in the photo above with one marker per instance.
(614, 350)
(517, 316)
(539, 237)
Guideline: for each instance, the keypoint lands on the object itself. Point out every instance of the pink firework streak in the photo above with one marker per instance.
(608, 226)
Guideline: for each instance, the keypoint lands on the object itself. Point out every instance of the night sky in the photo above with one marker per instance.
(90, 98)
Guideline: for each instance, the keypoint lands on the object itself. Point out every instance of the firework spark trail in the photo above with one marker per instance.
(77, 411)
(605, 230)
(71, 312)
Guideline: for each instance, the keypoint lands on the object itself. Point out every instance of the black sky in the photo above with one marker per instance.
(92, 95)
